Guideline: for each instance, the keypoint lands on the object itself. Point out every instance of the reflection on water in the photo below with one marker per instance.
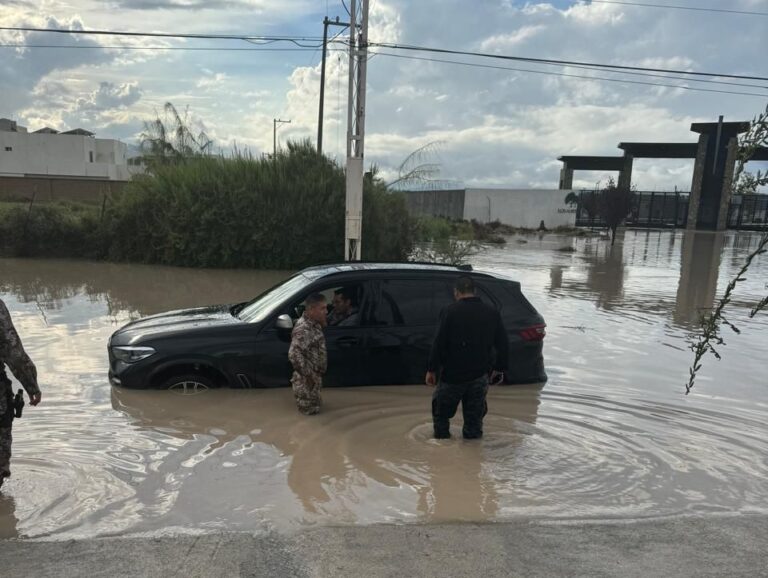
(8, 519)
(699, 268)
(341, 465)
(611, 434)
(137, 289)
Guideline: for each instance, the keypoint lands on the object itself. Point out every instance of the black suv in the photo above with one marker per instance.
(246, 344)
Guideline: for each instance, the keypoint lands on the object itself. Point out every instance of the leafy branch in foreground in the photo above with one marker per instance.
(710, 335)
(421, 170)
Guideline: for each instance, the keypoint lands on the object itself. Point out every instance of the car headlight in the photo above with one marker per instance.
(131, 354)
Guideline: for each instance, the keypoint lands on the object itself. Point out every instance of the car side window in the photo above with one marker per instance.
(345, 304)
(409, 302)
(444, 295)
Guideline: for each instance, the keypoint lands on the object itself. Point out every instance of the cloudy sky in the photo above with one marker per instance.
(495, 128)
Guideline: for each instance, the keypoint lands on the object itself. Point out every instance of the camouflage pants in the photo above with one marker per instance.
(306, 390)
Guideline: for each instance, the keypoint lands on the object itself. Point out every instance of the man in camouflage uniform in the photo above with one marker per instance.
(308, 356)
(13, 355)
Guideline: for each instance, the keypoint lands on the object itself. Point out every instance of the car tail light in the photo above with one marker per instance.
(534, 333)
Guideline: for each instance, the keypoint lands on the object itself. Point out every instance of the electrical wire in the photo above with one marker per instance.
(552, 61)
(563, 74)
(181, 48)
(246, 37)
(677, 7)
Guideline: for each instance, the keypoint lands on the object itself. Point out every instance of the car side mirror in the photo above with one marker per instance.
(284, 322)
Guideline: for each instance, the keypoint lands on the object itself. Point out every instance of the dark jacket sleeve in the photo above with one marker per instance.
(501, 344)
(439, 345)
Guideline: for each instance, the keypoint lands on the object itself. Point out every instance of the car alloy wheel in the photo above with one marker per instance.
(188, 384)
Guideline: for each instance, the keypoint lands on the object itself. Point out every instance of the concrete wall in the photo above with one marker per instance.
(448, 204)
(40, 154)
(45, 190)
(520, 207)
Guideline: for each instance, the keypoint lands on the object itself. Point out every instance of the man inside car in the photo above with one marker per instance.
(344, 313)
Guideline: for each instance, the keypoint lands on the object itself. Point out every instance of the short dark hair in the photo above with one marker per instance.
(315, 299)
(465, 285)
(346, 292)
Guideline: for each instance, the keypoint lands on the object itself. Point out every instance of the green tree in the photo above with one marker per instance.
(613, 206)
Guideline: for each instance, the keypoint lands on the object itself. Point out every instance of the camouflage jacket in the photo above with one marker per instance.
(13, 355)
(307, 353)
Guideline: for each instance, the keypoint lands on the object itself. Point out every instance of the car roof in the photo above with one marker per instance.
(320, 271)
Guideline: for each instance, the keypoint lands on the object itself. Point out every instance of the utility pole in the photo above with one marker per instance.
(358, 58)
(326, 24)
(274, 134)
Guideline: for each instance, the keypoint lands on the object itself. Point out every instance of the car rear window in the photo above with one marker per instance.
(515, 302)
(405, 302)
(444, 294)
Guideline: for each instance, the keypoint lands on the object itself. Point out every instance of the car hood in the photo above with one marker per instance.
(174, 322)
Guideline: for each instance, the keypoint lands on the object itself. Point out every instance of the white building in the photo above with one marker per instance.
(524, 208)
(51, 154)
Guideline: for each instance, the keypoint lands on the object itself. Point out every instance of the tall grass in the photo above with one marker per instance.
(284, 212)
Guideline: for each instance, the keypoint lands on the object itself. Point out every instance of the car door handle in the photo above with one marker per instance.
(346, 342)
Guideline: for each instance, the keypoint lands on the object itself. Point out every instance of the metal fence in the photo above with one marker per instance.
(657, 209)
(748, 212)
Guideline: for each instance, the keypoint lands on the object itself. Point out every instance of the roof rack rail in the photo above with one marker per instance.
(466, 267)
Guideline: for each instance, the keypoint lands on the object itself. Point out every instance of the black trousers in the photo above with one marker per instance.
(445, 402)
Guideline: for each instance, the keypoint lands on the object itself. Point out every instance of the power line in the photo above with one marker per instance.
(567, 75)
(671, 7)
(668, 77)
(332, 40)
(180, 48)
(560, 62)
(298, 39)
(246, 37)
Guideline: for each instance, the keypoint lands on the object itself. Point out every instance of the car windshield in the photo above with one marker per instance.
(259, 309)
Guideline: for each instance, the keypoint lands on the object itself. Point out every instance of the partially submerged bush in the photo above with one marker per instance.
(52, 230)
(285, 212)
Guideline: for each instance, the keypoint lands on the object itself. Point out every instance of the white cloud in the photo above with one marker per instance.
(384, 23)
(500, 42)
(110, 96)
(590, 14)
(503, 127)
(212, 80)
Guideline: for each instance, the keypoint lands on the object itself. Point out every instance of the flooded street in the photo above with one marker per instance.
(610, 435)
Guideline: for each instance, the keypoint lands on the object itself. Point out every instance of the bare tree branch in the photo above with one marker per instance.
(756, 137)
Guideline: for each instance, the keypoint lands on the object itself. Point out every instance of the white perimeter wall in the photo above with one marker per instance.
(62, 155)
(519, 207)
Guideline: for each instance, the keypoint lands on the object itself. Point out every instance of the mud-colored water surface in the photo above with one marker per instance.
(610, 435)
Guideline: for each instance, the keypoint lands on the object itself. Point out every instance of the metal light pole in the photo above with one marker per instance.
(358, 57)
(274, 134)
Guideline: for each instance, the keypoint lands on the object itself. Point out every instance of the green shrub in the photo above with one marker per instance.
(52, 230)
(281, 213)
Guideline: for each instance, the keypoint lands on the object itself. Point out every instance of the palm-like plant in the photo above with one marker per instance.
(170, 140)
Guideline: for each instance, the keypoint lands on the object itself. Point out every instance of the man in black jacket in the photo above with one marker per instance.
(471, 342)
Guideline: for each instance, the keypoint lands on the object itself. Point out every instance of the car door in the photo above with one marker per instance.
(345, 345)
(403, 321)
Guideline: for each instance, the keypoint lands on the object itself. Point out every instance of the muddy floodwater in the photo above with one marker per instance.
(610, 435)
